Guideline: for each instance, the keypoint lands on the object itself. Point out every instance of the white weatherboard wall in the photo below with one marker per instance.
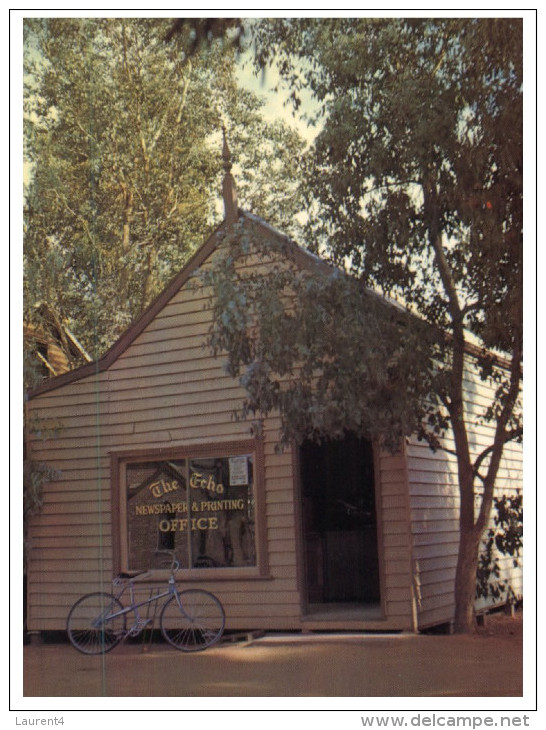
(165, 390)
(434, 504)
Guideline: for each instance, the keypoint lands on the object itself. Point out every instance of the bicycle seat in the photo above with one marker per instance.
(128, 574)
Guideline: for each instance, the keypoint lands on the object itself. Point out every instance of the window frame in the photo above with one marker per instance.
(220, 449)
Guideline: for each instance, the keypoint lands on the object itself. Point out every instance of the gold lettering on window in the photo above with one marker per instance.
(205, 481)
(161, 487)
(194, 523)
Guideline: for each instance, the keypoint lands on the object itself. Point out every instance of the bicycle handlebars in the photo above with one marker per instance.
(175, 563)
(131, 575)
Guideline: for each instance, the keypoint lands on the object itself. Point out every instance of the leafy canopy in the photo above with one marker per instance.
(314, 345)
(414, 186)
(123, 143)
(422, 136)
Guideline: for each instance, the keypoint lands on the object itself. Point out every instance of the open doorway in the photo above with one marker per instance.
(339, 522)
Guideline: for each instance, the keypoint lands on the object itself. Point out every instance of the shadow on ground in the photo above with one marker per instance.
(488, 664)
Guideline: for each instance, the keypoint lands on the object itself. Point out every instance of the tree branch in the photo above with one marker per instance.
(181, 106)
(447, 281)
(500, 437)
(469, 307)
(78, 217)
(514, 433)
(399, 184)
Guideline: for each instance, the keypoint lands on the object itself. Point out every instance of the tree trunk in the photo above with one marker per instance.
(465, 580)
(469, 540)
(125, 243)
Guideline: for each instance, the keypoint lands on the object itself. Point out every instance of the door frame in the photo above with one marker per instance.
(301, 569)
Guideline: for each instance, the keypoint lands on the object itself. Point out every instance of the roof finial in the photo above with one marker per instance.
(230, 194)
(226, 154)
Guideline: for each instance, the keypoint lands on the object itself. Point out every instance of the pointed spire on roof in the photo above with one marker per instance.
(229, 191)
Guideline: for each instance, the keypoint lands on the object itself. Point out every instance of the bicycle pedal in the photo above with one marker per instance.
(138, 627)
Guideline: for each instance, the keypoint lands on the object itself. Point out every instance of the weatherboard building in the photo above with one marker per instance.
(338, 536)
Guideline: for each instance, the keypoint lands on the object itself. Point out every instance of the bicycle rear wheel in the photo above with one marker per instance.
(91, 627)
(195, 623)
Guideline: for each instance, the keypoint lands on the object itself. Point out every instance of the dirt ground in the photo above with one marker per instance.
(500, 624)
(487, 664)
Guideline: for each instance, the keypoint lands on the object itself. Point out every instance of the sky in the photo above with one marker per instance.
(276, 106)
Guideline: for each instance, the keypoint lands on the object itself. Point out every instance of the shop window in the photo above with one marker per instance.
(202, 507)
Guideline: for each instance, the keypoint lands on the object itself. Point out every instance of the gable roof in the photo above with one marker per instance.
(305, 258)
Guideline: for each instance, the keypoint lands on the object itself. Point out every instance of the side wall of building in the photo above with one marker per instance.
(434, 504)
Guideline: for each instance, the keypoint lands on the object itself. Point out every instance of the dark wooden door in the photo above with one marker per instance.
(339, 521)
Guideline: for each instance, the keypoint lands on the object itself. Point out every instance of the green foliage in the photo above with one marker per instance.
(35, 475)
(315, 346)
(414, 186)
(422, 137)
(112, 150)
(197, 33)
(122, 142)
(123, 151)
(32, 376)
(505, 538)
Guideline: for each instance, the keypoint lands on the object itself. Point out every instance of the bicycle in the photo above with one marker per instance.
(190, 620)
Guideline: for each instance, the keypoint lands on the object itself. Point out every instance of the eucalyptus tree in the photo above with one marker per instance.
(415, 188)
(123, 145)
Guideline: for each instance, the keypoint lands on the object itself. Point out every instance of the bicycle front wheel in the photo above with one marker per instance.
(92, 624)
(193, 620)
